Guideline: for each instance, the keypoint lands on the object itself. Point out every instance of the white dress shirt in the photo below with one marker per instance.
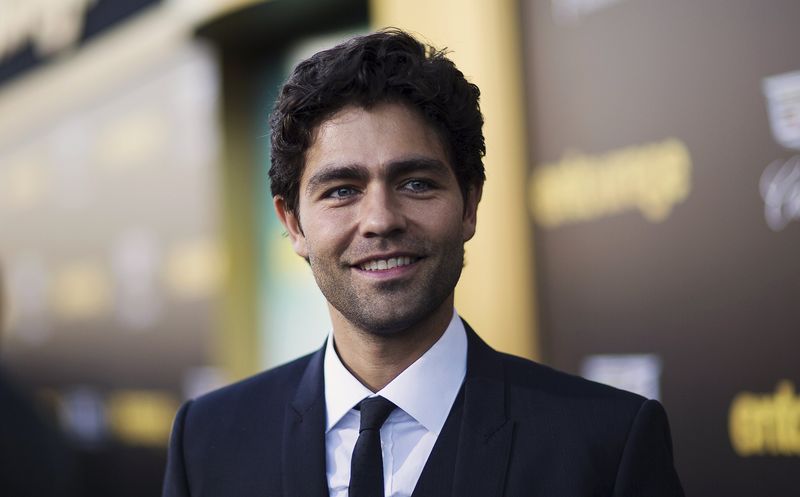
(424, 394)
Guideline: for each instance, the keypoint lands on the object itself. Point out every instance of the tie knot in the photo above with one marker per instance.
(374, 411)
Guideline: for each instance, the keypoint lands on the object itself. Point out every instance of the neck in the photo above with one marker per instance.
(375, 359)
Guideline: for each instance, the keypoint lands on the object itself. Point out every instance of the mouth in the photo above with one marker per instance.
(387, 263)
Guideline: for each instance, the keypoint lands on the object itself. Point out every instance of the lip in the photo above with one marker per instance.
(395, 272)
(387, 255)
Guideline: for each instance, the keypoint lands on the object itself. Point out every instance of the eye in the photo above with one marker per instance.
(417, 185)
(341, 192)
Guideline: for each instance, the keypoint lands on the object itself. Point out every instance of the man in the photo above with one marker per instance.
(377, 174)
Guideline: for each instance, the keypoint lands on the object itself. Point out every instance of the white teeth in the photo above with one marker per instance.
(383, 264)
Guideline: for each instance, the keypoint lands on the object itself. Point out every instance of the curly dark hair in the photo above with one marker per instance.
(386, 66)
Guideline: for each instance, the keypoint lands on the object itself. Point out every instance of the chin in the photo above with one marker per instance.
(385, 325)
(392, 322)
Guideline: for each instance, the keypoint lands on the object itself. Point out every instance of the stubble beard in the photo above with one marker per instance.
(387, 309)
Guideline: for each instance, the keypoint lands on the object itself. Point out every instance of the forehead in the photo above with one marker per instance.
(373, 138)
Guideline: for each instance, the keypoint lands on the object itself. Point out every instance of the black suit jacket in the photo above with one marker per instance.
(526, 430)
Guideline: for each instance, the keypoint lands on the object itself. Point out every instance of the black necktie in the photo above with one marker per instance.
(366, 466)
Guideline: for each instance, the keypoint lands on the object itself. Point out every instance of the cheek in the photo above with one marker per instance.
(325, 239)
(444, 217)
(441, 227)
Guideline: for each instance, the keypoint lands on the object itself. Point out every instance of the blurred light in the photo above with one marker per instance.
(24, 183)
(195, 268)
(136, 260)
(638, 373)
(201, 380)
(134, 139)
(81, 290)
(83, 415)
(141, 417)
(28, 283)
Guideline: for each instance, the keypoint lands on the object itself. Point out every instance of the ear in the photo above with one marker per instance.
(291, 222)
(470, 219)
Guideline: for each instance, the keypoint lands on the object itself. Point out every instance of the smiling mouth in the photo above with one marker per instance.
(390, 263)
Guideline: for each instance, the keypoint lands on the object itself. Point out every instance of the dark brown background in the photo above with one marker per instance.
(711, 289)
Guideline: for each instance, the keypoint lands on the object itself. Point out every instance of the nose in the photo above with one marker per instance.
(381, 214)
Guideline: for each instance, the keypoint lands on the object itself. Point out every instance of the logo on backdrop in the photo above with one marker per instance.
(49, 25)
(780, 181)
(783, 107)
(780, 189)
(766, 424)
(571, 11)
(651, 178)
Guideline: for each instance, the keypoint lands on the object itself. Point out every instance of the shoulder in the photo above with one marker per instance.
(274, 380)
(584, 434)
(235, 430)
(531, 385)
(525, 377)
(581, 411)
(560, 411)
(257, 395)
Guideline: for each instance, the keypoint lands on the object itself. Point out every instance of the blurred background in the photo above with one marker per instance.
(640, 224)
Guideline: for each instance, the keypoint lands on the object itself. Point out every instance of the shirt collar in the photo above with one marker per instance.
(426, 390)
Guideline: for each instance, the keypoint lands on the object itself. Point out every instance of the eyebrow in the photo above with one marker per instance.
(417, 164)
(334, 173)
(356, 172)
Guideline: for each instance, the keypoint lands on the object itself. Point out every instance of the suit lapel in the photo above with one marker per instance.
(485, 440)
(304, 435)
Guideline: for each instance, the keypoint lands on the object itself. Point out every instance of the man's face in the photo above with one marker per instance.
(381, 218)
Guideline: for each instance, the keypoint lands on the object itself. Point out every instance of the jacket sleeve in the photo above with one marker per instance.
(646, 468)
(175, 481)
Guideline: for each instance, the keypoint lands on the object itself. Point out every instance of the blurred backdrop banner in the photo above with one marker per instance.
(664, 194)
(640, 224)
